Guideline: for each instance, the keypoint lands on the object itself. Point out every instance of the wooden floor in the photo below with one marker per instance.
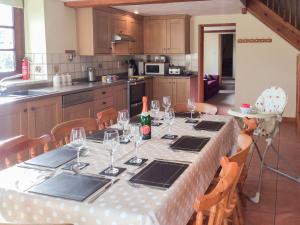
(280, 197)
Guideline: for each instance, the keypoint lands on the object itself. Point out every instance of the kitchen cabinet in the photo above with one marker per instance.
(149, 89)
(33, 119)
(120, 97)
(179, 89)
(83, 110)
(13, 119)
(167, 34)
(135, 29)
(93, 31)
(43, 115)
(96, 27)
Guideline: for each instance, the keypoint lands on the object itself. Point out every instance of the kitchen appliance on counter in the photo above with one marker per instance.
(156, 68)
(176, 70)
(132, 68)
(141, 68)
(92, 74)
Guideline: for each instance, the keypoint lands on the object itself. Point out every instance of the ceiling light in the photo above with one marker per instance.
(136, 12)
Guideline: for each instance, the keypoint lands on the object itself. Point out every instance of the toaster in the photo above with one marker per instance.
(175, 70)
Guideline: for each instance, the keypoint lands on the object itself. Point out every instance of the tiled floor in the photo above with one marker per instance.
(280, 197)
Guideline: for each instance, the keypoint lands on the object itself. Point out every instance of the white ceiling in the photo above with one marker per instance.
(195, 8)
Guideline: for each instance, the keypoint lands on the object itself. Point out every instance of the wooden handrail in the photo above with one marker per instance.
(287, 9)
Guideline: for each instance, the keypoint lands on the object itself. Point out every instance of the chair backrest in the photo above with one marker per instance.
(62, 131)
(214, 201)
(21, 148)
(250, 126)
(200, 107)
(107, 117)
(272, 100)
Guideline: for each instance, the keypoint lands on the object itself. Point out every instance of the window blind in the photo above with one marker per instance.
(14, 3)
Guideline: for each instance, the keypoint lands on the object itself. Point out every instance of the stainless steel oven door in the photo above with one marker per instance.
(137, 91)
(136, 109)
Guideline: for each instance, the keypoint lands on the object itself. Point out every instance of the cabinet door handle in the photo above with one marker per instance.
(103, 92)
(25, 110)
(103, 103)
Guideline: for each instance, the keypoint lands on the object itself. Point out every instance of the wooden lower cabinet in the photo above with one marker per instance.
(179, 89)
(83, 110)
(149, 89)
(120, 97)
(43, 115)
(13, 119)
(103, 103)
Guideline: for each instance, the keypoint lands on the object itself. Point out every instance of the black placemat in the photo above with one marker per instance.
(156, 124)
(159, 174)
(193, 121)
(70, 186)
(209, 125)
(99, 135)
(131, 163)
(190, 143)
(187, 114)
(54, 158)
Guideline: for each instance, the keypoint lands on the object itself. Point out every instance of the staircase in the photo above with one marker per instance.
(282, 16)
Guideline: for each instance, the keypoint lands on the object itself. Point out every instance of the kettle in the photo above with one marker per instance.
(92, 74)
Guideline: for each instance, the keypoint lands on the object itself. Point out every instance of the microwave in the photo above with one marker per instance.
(156, 68)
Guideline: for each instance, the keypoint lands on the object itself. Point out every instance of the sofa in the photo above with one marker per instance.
(211, 85)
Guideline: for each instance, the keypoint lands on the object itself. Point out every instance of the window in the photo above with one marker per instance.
(11, 40)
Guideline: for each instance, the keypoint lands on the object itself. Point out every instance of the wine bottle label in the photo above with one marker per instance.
(146, 129)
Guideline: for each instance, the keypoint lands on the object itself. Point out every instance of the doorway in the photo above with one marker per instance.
(216, 63)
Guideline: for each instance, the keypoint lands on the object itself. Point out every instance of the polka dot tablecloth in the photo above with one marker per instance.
(123, 204)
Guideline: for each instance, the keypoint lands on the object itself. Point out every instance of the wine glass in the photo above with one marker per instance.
(111, 142)
(77, 139)
(166, 102)
(191, 105)
(155, 107)
(123, 121)
(169, 118)
(136, 135)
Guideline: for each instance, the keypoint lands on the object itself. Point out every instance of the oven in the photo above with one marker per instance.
(136, 89)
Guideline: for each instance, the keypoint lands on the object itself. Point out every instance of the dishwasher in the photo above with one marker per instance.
(78, 105)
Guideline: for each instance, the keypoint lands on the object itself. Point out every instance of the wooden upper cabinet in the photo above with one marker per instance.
(102, 32)
(155, 36)
(135, 29)
(93, 31)
(119, 26)
(167, 34)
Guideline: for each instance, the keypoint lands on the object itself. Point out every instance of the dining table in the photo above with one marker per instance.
(123, 203)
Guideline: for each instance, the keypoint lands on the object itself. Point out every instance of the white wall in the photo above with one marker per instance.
(258, 66)
(60, 27)
(211, 53)
(35, 34)
(50, 27)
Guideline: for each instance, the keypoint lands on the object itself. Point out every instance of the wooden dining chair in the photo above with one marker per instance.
(214, 205)
(61, 132)
(107, 117)
(200, 107)
(21, 148)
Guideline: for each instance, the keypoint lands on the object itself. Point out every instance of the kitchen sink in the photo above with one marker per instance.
(26, 93)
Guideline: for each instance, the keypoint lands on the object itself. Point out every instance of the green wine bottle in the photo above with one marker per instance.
(145, 120)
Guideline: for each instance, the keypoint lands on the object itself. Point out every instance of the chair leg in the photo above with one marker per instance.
(239, 210)
(280, 157)
(235, 218)
(256, 198)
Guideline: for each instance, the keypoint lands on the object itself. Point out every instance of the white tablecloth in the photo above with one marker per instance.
(123, 203)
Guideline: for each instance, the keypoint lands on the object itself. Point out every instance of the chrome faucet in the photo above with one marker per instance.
(4, 88)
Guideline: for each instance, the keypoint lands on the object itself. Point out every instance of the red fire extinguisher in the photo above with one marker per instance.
(25, 69)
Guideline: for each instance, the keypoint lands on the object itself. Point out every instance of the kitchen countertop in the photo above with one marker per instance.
(60, 91)
(75, 88)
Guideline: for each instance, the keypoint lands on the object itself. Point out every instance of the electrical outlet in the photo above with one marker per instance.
(56, 68)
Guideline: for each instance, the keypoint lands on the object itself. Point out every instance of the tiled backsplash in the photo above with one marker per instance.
(45, 66)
